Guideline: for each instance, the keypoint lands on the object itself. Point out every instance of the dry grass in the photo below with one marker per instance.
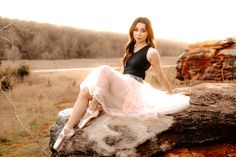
(57, 64)
(74, 63)
(38, 99)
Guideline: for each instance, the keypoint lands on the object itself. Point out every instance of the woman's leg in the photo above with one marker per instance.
(79, 108)
(94, 105)
(91, 112)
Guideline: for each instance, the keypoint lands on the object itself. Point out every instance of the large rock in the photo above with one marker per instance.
(209, 60)
(211, 118)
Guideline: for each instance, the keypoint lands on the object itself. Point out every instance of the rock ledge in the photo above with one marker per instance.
(211, 118)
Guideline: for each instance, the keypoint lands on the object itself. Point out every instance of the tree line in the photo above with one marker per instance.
(31, 40)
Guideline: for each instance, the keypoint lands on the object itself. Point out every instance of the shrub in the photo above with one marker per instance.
(9, 74)
(6, 83)
(23, 71)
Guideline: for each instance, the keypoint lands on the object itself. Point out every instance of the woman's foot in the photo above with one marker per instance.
(66, 133)
(89, 114)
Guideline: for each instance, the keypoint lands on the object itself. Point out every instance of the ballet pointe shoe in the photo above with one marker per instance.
(89, 114)
(66, 133)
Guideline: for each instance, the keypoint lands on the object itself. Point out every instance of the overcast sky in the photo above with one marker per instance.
(184, 20)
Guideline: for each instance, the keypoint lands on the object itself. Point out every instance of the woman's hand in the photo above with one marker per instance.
(121, 69)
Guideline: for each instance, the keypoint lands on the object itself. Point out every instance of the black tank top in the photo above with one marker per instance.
(138, 63)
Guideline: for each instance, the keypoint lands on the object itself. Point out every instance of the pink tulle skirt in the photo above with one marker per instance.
(122, 95)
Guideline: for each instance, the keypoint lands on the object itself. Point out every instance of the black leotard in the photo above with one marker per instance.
(138, 63)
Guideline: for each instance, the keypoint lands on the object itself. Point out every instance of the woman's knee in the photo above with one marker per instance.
(105, 71)
(84, 92)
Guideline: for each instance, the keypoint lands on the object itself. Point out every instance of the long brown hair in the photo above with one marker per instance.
(129, 48)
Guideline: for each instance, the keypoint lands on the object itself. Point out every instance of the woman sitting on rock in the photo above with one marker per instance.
(126, 93)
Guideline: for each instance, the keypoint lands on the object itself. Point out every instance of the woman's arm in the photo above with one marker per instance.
(154, 58)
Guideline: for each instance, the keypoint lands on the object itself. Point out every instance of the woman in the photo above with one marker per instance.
(126, 94)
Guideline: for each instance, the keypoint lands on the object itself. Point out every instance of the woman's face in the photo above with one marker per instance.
(140, 33)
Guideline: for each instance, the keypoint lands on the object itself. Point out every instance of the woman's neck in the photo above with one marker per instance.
(140, 45)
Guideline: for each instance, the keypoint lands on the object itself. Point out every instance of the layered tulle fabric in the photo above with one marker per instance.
(123, 95)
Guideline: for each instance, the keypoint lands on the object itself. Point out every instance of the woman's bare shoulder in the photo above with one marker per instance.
(152, 53)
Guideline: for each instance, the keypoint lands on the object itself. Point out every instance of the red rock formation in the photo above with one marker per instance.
(219, 150)
(209, 60)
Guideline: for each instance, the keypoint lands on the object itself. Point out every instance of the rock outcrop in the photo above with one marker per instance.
(209, 60)
(210, 119)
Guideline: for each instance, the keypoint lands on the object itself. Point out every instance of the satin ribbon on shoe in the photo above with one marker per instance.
(89, 114)
(66, 133)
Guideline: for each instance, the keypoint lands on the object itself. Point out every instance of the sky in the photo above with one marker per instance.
(182, 20)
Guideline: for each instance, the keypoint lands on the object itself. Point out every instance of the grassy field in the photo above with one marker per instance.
(74, 63)
(39, 97)
(36, 100)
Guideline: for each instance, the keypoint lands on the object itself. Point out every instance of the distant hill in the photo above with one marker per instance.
(31, 40)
